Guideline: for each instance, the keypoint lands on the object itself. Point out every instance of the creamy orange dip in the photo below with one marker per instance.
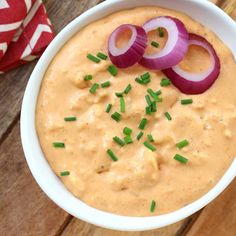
(128, 186)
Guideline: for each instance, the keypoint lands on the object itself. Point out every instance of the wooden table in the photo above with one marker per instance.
(26, 210)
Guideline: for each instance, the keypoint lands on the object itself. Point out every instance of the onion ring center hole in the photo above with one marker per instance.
(123, 38)
(196, 60)
(153, 36)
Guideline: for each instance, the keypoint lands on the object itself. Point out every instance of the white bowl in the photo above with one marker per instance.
(202, 11)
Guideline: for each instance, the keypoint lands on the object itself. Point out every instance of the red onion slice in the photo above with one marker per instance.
(196, 83)
(176, 45)
(133, 51)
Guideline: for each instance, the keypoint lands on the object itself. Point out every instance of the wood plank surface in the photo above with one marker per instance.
(26, 210)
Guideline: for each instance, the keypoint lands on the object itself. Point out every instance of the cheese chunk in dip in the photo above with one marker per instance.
(75, 131)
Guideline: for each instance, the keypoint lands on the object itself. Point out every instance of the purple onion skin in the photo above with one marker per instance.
(173, 58)
(134, 54)
(191, 87)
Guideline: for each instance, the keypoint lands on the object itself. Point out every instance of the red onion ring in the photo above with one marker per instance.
(133, 51)
(196, 83)
(176, 45)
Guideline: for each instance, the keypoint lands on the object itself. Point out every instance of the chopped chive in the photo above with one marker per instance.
(149, 146)
(127, 131)
(116, 116)
(161, 32)
(119, 141)
(139, 81)
(182, 144)
(150, 138)
(158, 93)
(139, 136)
(93, 58)
(153, 206)
(155, 44)
(58, 145)
(143, 123)
(148, 110)
(168, 116)
(153, 94)
(72, 118)
(148, 99)
(94, 88)
(119, 95)
(186, 101)
(65, 173)
(112, 155)
(127, 89)
(180, 158)
(102, 56)
(165, 82)
(154, 107)
(128, 139)
(109, 106)
(88, 77)
(106, 84)
(145, 76)
(122, 104)
(113, 70)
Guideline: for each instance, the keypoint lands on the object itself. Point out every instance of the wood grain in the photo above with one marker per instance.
(218, 218)
(24, 208)
(12, 84)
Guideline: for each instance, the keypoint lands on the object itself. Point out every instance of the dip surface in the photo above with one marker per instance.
(128, 186)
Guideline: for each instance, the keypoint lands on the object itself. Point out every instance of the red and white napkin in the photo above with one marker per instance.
(25, 32)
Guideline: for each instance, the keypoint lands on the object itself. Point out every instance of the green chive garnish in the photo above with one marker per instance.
(106, 84)
(153, 206)
(143, 123)
(109, 106)
(180, 158)
(148, 110)
(165, 82)
(93, 58)
(139, 136)
(154, 107)
(128, 140)
(150, 138)
(148, 99)
(102, 56)
(149, 146)
(186, 101)
(155, 44)
(88, 77)
(145, 76)
(119, 141)
(58, 145)
(182, 144)
(65, 173)
(94, 88)
(122, 104)
(168, 116)
(158, 93)
(127, 89)
(72, 118)
(116, 116)
(113, 70)
(119, 95)
(112, 155)
(139, 81)
(127, 131)
(153, 94)
(161, 32)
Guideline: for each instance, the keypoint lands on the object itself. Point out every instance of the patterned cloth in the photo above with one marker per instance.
(25, 32)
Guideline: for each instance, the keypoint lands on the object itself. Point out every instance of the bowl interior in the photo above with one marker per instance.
(204, 12)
